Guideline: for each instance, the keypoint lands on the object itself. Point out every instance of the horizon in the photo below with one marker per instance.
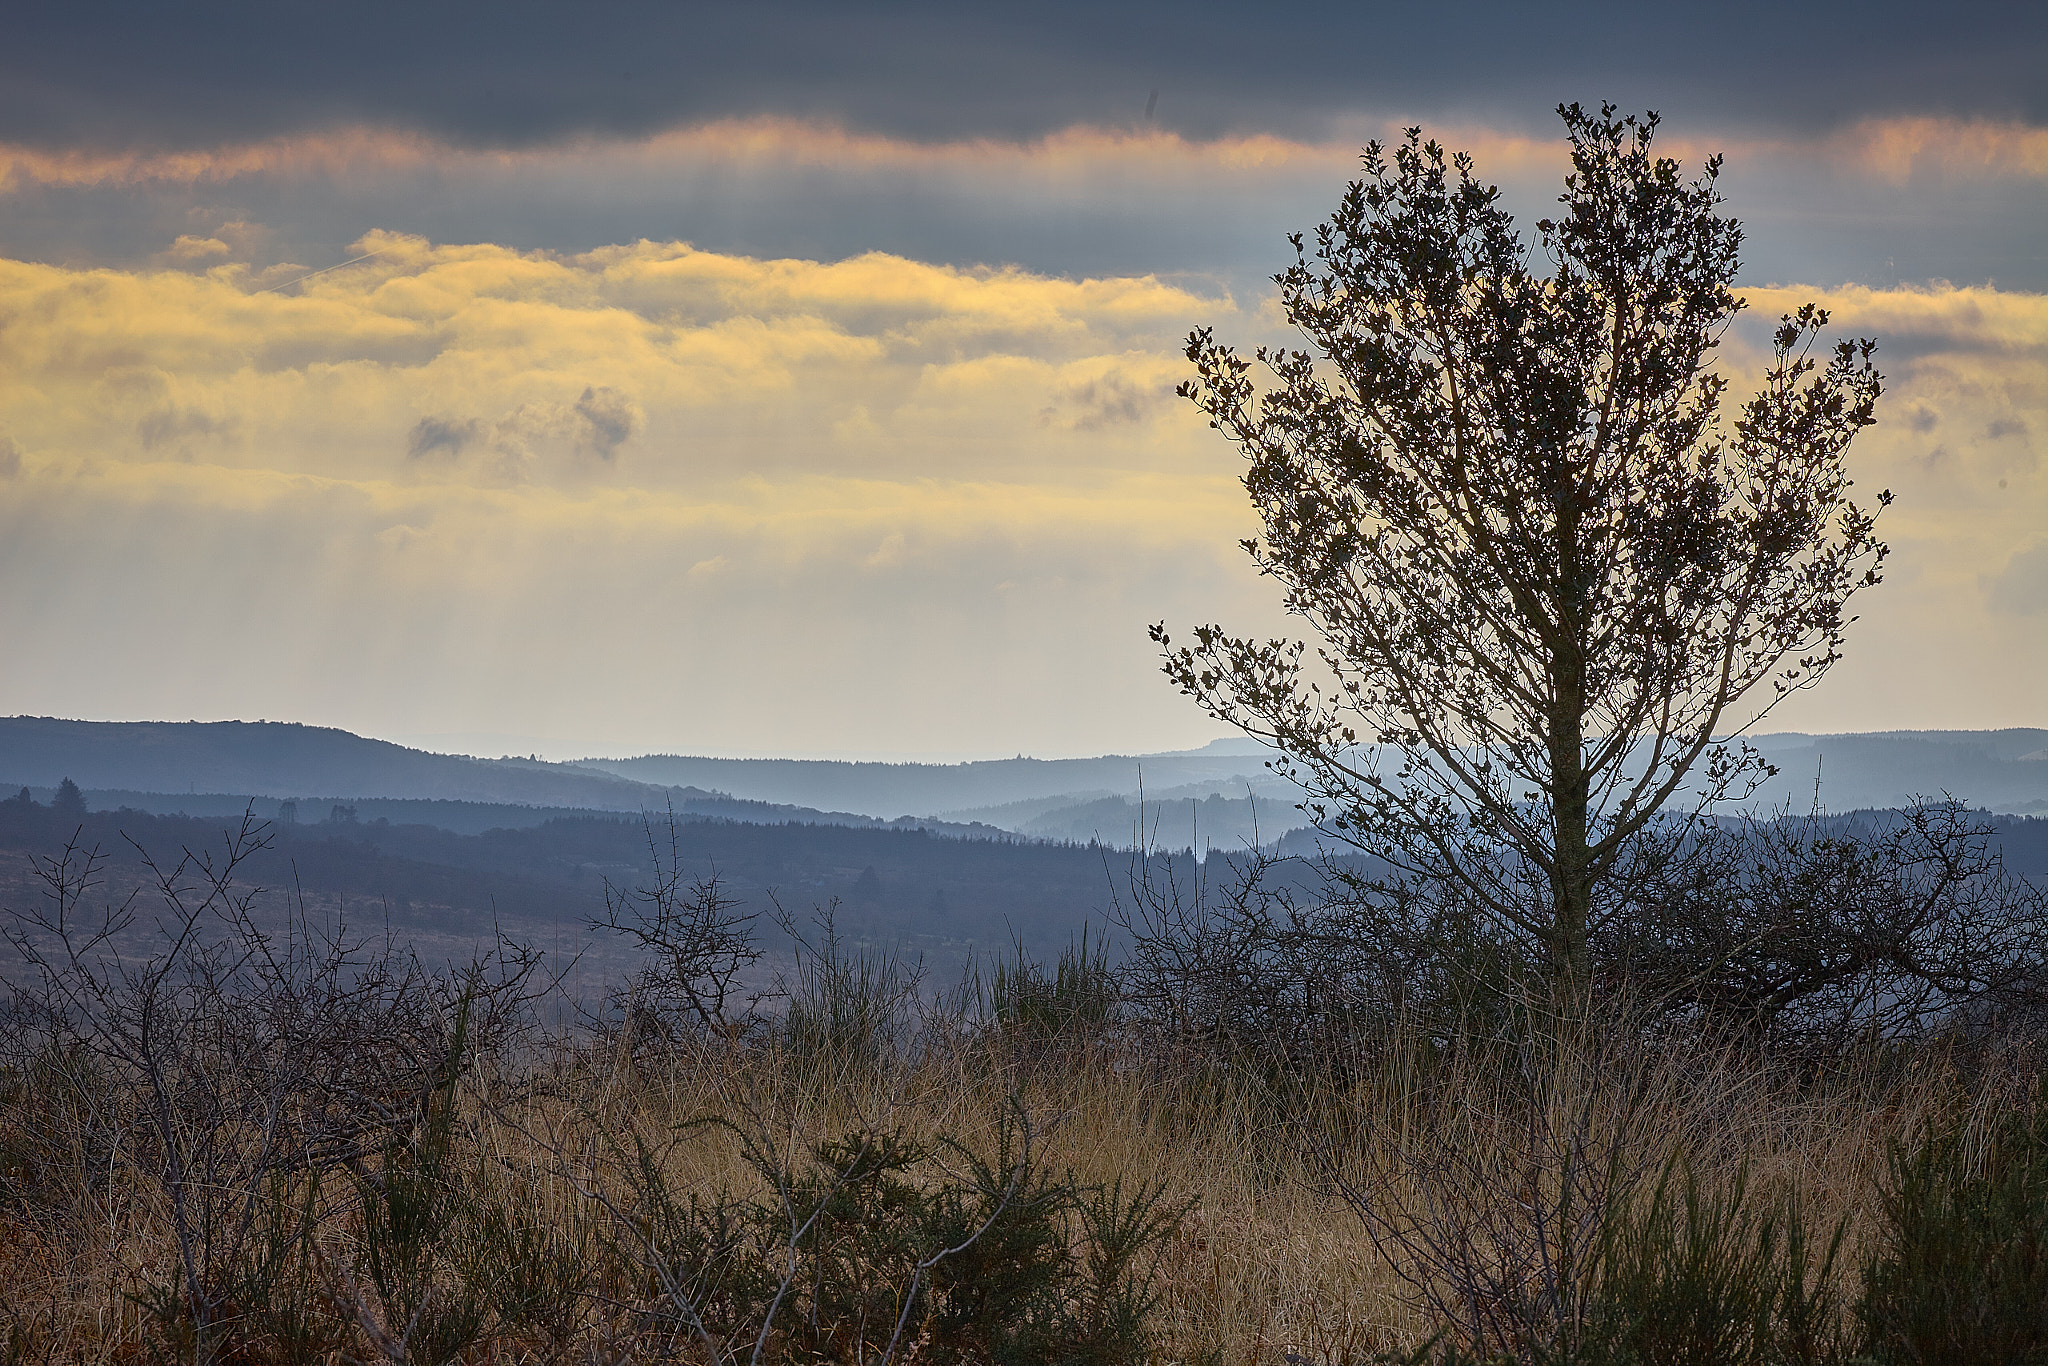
(1233, 745)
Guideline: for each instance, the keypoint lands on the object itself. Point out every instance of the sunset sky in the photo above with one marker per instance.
(796, 379)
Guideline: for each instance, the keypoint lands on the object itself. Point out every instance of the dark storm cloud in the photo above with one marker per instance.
(156, 75)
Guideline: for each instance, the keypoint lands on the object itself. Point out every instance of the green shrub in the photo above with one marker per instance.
(1711, 1280)
(1035, 1011)
(849, 1008)
(272, 1308)
(872, 1243)
(1961, 1273)
(1692, 1278)
(415, 1219)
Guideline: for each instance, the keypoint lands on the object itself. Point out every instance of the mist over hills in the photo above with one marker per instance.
(217, 768)
(448, 850)
(2000, 770)
(1219, 796)
(967, 790)
(2003, 770)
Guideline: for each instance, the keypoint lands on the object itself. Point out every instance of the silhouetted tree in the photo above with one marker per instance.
(69, 801)
(1548, 579)
(868, 886)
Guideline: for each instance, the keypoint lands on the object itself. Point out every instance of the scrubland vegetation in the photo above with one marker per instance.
(1264, 1132)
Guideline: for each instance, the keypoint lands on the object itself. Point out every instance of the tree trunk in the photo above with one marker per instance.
(1571, 883)
(1571, 874)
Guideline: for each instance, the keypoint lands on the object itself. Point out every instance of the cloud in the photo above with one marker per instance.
(609, 418)
(1106, 400)
(99, 75)
(1102, 199)
(442, 435)
(597, 424)
(1895, 151)
(10, 458)
(170, 425)
(548, 365)
(1920, 418)
(435, 489)
(1901, 149)
(190, 248)
(2021, 588)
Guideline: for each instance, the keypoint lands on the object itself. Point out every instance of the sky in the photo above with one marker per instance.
(797, 379)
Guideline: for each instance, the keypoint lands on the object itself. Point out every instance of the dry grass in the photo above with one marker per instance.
(1271, 1261)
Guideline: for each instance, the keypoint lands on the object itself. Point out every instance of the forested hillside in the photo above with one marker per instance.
(933, 894)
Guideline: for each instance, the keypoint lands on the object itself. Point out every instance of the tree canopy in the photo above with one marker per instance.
(1549, 580)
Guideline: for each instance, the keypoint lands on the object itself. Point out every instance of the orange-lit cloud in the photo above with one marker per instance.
(468, 463)
(759, 143)
(1893, 149)
(1900, 149)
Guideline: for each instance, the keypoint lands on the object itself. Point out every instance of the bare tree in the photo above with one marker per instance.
(1549, 580)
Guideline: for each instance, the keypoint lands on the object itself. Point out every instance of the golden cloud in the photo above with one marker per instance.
(762, 143)
(1897, 150)
(492, 469)
(422, 361)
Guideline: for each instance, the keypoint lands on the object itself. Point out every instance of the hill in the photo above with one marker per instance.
(1218, 796)
(969, 790)
(286, 759)
(444, 893)
(2002, 770)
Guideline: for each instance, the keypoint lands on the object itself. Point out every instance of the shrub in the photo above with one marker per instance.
(874, 1244)
(1037, 1012)
(1961, 1272)
(1711, 1280)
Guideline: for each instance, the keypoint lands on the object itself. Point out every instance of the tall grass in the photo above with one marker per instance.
(255, 1146)
(771, 1194)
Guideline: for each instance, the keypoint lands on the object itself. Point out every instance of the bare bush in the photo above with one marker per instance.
(1812, 932)
(1818, 931)
(221, 1055)
(695, 945)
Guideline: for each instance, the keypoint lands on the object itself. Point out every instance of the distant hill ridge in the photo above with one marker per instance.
(2005, 770)
(287, 759)
(925, 788)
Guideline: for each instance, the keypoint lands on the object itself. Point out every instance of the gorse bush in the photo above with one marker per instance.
(846, 1007)
(982, 1263)
(416, 1222)
(1709, 1278)
(1690, 1277)
(1960, 1272)
(877, 1243)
